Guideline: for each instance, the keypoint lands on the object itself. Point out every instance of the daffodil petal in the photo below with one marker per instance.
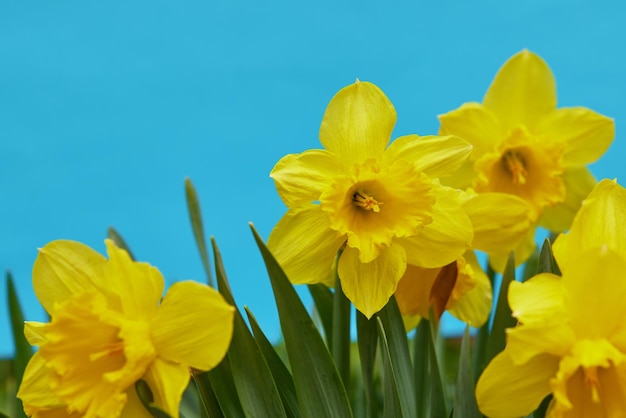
(446, 238)
(538, 300)
(522, 92)
(64, 268)
(193, 326)
(522, 251)
(500, 220)
(134, 408)
(304, 245)
(33, 332)
(413, 290)
(476, 124)
(301, 178)
(167, 381)
(35, 391)
(434, 155)
(578, 182)
(587, 134)
(370, 285)
(474, 306)
(599, 222)
(604, 308)
(139, 286)
(503, 381)
(524, 342)
(358, 123)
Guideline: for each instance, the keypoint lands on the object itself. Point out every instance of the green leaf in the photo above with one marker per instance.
(547, 263)
(319, 387)
(282, 376)
(482, 338)
(219, 381)
(147, 399)
(421, 342)
(465, 401)
(437, 394)
(195, 216)
(323, 299)
(207, 397)
(340, 347)
(502, 318)
(367, 335)
(115, 236)
(391, 403)
(23, 350)
(543, 407)
(400, 356)
(253, 380)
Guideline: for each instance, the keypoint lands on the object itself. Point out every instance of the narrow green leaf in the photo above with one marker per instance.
(253, 380)
(207, 398)
(547, 263)
(421, 342)
(437, 393)
(340, 347)
(400, 356)
(502, 318)
(219, 380)
(391, 402)
(465, 401)
(479, 354)
(23, 350)
(531, 265)
(319, 387)
(147, 399)
(195, 216)
(115, 236)
(282, 376)
(367, 336)
(323, 299)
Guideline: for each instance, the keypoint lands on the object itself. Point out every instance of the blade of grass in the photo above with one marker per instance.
(323, 299)
(465, 401)
(437, 394)
(282, 376)
(23, 350)
(367, 335)
(195, 216)
(319, 387)
(253, 380)
(400, 356)
(340, 347)
(547, 263)
(391, 402)
(502, 318)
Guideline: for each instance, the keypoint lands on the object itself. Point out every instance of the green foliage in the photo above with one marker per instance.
(318, 371)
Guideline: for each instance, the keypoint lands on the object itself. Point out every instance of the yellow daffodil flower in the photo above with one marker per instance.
(461, 287)
(600, 221)
(570, 342)
(109, 328)
(524, 145)
(382, 206)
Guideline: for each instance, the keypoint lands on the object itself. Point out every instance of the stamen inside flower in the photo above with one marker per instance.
(514, 162)
(592, 381)
(363, 200)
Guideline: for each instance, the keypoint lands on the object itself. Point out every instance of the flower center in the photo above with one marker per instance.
(526, 166)
(353, 204)
(363, 200)
(513, 162)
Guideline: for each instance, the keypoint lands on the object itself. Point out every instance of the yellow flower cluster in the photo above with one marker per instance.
(403, 217)
(571, 338)
(109, 328)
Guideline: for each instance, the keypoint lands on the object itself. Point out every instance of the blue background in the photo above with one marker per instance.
(105, 108)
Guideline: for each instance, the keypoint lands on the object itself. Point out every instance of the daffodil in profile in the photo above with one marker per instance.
(570, 342)
(110, 326)
(461, 287)
(380, 205)
(601, 221)
(526, 146)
